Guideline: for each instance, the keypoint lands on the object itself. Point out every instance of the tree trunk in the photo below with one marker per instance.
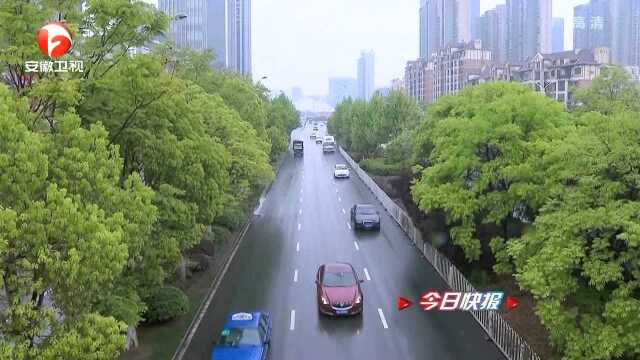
(182, 268)
(132, 338)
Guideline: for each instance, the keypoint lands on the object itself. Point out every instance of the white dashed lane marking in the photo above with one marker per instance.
(382, 319)
(295, 276)
(355, 243)
(366, 274)
(292, 324)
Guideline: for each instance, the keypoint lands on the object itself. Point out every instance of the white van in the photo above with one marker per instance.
(328, 144)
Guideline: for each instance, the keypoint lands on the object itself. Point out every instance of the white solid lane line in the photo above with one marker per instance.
(295, 276)
(344, 212)
(349, 225)
(299, 226)
(355, 243)
(292, 325)
(382, 319)
(366, 274)
(298, 246)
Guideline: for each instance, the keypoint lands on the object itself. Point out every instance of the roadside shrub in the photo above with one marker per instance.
(377, 166)
(220, 233)
(166, 303)
(231, 218)
(479, 278)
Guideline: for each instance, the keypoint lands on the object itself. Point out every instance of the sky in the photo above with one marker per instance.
(304, 42)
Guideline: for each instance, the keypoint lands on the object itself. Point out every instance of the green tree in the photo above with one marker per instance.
(582, 258)
(611, 92)
(482, 166)
(56, 243)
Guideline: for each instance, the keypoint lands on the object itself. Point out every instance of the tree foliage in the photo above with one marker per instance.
(482, 167)
(582, 258)
(611, 92)
(498, 154)
(559, 190)
(363, 126)
(108, 176)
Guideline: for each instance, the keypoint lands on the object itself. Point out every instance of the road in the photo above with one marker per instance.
(304, 222)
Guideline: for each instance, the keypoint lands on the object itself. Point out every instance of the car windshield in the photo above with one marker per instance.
(366, 210)
(341, 167)
(335, 279)
(240, 337)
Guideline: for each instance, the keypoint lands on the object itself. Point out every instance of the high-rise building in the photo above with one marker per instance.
(592, 23)
(474, 9)
(493, 32)
(218, 30)
(366, 75)
(463, 20)
(189, 31)
(341, 88)
(529, 28)
(223, 26)
(625, 31)
(240, 36)
(444, 22)
(557, 38)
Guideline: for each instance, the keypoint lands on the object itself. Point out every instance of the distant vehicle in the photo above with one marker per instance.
(328, 144)
(340, 171)
(338, 290)
(245, 336)
(315, 128)
(313, 135)
(365, 216)
(298, 148)
(318, 140)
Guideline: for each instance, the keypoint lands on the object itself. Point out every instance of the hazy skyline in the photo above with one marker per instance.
(296, 45)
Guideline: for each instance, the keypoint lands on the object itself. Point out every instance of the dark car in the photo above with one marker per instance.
(338, 290)
(245, 336)
(365, 216)
(298, 148)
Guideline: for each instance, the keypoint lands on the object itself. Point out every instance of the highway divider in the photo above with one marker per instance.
(512, 345)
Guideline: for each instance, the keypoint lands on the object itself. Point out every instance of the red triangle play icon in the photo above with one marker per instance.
(403, 303)
(512, 303)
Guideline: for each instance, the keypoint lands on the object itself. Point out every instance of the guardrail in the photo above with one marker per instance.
(512, 345)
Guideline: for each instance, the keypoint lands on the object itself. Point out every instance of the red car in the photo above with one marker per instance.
(338, 290)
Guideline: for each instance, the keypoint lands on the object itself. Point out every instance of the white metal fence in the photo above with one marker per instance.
(510, 343)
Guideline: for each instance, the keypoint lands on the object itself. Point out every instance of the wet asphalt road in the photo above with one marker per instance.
(304, 222)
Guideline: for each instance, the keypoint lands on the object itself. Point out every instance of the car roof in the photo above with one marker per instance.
(337, 267)
(243, 320)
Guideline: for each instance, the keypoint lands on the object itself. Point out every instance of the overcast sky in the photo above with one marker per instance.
(304, 42)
